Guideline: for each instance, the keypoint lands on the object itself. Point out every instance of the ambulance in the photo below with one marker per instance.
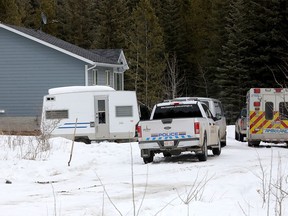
(267, 110)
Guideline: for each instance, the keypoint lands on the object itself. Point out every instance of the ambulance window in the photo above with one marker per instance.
(269, 107)
(283, 109)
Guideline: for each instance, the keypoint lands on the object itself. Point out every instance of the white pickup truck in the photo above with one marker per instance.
(179, 126)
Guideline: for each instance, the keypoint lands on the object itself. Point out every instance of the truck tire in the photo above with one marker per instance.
(167, 154)
(241, 137)
(217, 151)
(149, 159)
(204, 154)
(236, 136)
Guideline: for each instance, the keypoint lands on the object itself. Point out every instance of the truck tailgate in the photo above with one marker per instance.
(167, 129)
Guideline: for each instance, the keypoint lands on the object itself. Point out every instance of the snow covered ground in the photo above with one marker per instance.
(99, 180)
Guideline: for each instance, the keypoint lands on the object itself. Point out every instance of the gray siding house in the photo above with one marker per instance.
(31, 62)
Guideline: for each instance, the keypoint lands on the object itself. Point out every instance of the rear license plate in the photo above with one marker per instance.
(168, 143)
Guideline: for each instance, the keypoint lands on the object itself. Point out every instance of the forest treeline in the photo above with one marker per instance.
(210, 48)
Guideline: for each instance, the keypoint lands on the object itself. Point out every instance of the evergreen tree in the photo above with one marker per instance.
(233, 73)
(10, 12)
(269, 37)
(146, 55)
(175, 19)
(76, 22)
(112, 19)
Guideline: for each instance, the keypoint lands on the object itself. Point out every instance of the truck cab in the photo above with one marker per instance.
(217, 111)
(178, 126)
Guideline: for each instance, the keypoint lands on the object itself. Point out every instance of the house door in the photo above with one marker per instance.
(101, 117)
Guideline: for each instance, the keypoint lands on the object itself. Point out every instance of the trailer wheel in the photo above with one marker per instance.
(204, 154)
(83, 139)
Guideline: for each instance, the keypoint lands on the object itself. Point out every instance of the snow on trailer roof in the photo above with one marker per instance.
(71, 89)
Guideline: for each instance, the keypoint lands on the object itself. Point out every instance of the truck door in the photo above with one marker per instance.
(269, 118)
(213, 132)
(282, 107)
(101, 117)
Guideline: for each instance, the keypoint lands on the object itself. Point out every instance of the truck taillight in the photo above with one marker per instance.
(196, 127)
(257, 90)
(139, 131)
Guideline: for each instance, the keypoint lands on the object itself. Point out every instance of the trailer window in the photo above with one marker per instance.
(177, 111)
(283, 109)
(124, 111)
(56, 114)
(101, 112)
(269, 108)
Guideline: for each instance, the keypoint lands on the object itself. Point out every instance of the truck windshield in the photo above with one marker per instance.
(177, 111)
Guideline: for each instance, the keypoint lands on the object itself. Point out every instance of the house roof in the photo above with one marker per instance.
(112, 54)
(102, 57)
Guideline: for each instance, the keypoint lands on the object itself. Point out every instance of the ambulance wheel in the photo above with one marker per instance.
(253, 143)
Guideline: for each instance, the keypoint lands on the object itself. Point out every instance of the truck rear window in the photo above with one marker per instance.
(177, 111)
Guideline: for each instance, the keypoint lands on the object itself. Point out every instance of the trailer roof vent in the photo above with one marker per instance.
(50, 98)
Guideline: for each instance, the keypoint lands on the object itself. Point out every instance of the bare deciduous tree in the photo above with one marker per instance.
(175, 80)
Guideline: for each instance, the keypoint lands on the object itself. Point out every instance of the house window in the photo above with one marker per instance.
(56, 114)
(108, 77)
(94, 77)
(118, 78)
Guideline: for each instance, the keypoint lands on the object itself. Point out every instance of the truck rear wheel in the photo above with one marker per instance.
(204, 154)
(149, 159)
(241, 137)
(217, 151)
(236, 136)
(167, 154)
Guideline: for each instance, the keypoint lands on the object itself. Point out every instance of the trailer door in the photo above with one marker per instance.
(101, 117)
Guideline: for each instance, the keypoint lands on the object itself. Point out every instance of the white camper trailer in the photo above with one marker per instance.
(93, 112)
